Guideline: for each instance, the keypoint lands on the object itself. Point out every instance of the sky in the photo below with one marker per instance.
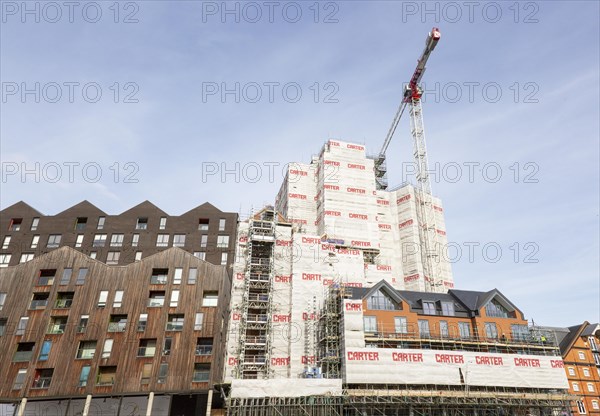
(183, 102)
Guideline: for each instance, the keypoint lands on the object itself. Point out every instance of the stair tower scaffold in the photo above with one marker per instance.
(257, 303)
(330, 332)
(429, 246)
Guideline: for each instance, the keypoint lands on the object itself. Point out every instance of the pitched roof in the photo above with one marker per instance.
(146, 205)
(20, 207)
(569, 340)
(83, 206)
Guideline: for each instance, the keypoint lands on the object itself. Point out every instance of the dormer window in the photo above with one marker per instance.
(429, 308)
(496, 310)
(380, 301)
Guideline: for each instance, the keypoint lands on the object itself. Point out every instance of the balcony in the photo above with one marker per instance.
(22, 356)
(41, 383)
(204, 349)
(255, 359)
(258, 318)
(38, 304)
(57, 328)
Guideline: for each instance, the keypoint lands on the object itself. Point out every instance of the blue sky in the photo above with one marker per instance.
(534, 150)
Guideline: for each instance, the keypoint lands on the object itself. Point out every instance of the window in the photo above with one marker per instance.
(107, 348)
(142, 224)
(203, 224)
(106, 375)
(595, 405)
(575, 386)
(381, 301)
(370, 323)
(571, 371)
(162, 373)
(464, 329)
(84, 375)
(99, 240)
(423, 328)
(35, 240)
(192, 276)
(177, 275)
(24, 352)
(179, 240)
(447, 308)
(200, 254)
(39, 300)
(46, 277)
(83, 323)
(2, 326)
(135, 240)
(6, 242)
(204, 346)
(5, 260)
(167, 344)
(590, 387)
(429, 308)
(400, 325)
(2, 299)
(198, 321)
(159, 276)
(26, 257)
(101, 221)
(163, 223)
(57, 324)
(118, 299)
(93, 255)
(117, 323)
(162, 240)
(222, 241)
(53, 240)
(116, 240)
(79, 240)
(581, 355)
(19, 379)
(146, 373)
(22, 325)
(15, 224)
(593, 345)
(64, 300)
(113, 257)
(444, 332)
(519, 332)
(34, 224)
(581, 407)
(156, 299)
(201, 373)
(45, 350)
(147, 348)
(203, 241)
(81, 276)
(138, 255)
(174, 299)
(495, 309)
(490, 330)
(222, 222)
(142, 322)
(102, 298)
(42, 378)
(210, 298)
(175, 322)
(86, 349)
(586, 372)
(223, 259)
(80, 223)
(66, 276)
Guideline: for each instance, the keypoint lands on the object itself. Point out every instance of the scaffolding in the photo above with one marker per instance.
(256, 308)
(329, 334)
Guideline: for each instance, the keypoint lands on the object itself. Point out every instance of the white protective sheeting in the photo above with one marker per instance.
(410, 366)
(294, 387)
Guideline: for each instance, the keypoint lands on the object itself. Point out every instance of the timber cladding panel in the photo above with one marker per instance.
(21, 282)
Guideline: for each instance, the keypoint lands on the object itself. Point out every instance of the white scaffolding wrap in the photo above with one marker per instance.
(286, 388)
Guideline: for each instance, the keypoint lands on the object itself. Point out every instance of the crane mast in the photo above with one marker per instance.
(425, 210)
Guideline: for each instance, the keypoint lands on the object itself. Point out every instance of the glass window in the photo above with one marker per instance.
(147, 347)
(46, 277)
(57, 325)
(174, 299)
(80, 223)
(83, 323)
(581, 355)
(117, 323)
(146, 373)
(163, 223)
(2, 326)
(210, 298)
(118, 299)
(19, 379)
(586, 372)
(162, 240)
(400, 325)
(39, 300)
(81, 276)
(177, 275)
(423, 328)
(595, 405)
(2, 299)
(380, 301)
(162, 373)
(200, 254)
(116, 240)
(179, 240)
(175, 322)
(222, 241)
(106, 375)
(4, 260)
(53, 240)
(42, 378)
(26, 257)
(370, 323)
(222, 222)
(45, 350)
(497, 310)
(490, 330)
(444, 332)
(429, 308)
(223, 259)
(34, 224)
(464, 328)
(142, 322)
(198, 321)
(167, 344)
(135, 240)
(138, 255)
(201, 373)
(99, 240)
(142, 224)
(22, 325)
(35, 240)
(519, 332)
(575, 386)
(571, 371)
(64, 300)
(192, 275)
(24, 352)
(79, 240)
(101, 223)
(204, 346)
(15, 224)
(86, 349)
(203, 241)
(113, 257)
(107, 348)
(447, 308)
(66, 276)
(156, 299)
(159, 276)
(83, 376)
(581, 407)
(102, 298)
(6, 242)
(203, 224)
(590, 387)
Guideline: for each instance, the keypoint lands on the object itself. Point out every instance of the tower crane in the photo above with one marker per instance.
(412, 100)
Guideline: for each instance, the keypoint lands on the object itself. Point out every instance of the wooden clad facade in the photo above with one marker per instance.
(137, 362)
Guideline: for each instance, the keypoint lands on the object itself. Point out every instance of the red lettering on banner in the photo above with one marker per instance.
(358, 216)
(437, 208)
(331, 162)
(308, 359)
(448, 284)
(280, 361)
(355, 147)
(356, 166)
(309, 316)
(333, 213)
(232, 361)
(311, 240)
(411, 278)
(402, 199)
(331, 187)
(240, 276)
(384, 267)
(298, 172)
(440, 232)
(385, 227)
(557, 364)
(283, 279)
(487, 360)
(351, 284)
(236, 316)
(407, 357)
(405, 223)
(243, 239)
(297, 196)
(282, 318)
(285, 243)
(334, 143)
(363, 356)
(311, 276)
(353, 307)
(450, 358)
(328, 247)
(348, 251)
(527, 362)
(383, 202)
(356, 191)
(360, 243)
(300, 221)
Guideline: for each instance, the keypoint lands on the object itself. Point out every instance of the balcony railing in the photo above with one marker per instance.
(201, 377)
(256, 340)
(146, 351)
(204, 349)
(117, 326)
(57, 328)
(63, 303)
(152, 302)
(258, 318)
(105, 380)
(21, 356)
(38, 304)
(255, 359)
(41, 383)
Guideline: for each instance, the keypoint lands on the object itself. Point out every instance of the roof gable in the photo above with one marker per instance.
(20, 208)
(145, 207)
(85, 207)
